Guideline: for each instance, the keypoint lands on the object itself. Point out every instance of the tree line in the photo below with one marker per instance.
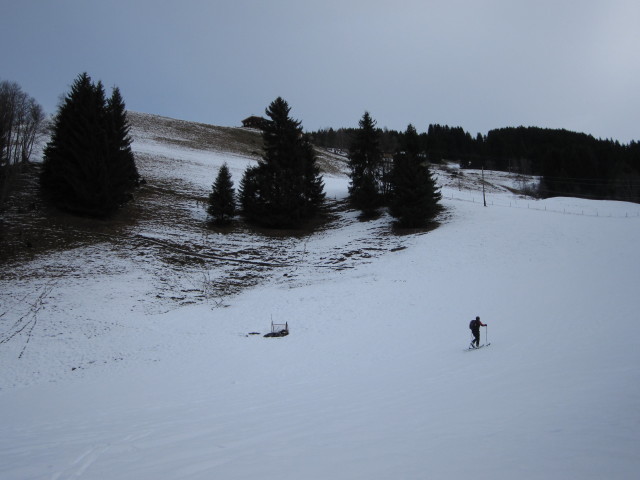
(286, 187)
(569, 163)
(89, 167)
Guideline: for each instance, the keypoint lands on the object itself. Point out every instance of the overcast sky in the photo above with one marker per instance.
(476, 64)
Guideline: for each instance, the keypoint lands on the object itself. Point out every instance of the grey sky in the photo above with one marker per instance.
(477, 64)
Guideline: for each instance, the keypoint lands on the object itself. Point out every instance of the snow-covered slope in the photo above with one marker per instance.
(102, 377)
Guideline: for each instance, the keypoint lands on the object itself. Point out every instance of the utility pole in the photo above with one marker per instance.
(484, 199)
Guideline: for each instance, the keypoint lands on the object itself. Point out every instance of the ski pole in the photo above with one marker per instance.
(486, 334)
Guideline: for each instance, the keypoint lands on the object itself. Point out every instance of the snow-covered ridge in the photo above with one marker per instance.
(131, 358)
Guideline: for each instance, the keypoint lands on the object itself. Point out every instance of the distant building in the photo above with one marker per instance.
(254, 122)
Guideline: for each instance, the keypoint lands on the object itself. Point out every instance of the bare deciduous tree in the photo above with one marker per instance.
(21, 118)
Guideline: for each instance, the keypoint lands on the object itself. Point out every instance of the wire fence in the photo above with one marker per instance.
(540, 205)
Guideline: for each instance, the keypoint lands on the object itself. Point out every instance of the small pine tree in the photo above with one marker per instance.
(365, 163)
(88, 166)
(222, 203)
(414, 194)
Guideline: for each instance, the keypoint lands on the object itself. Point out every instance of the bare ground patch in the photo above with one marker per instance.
(164, 231)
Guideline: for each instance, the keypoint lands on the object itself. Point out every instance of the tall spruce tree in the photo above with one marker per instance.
(222, 203)
(88, 166)
(286, 187)
(414, 194)
(365, 164)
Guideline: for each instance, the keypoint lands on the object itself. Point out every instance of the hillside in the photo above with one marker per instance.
(128, 349)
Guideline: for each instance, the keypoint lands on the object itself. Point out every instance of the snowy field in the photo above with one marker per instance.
(103, 378)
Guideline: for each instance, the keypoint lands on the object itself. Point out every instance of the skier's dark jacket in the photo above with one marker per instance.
(475, 325)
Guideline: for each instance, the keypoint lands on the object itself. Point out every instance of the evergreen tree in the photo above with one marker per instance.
(248, 191)
(286, 187)
(222, 203)
(365, 163)
(313, 185)
(123, 166)
(414, 194)
(88, 166)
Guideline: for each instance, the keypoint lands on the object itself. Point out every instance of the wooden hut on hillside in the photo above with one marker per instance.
(254, 122)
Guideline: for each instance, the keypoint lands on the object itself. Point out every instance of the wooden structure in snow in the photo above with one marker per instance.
(278, 330)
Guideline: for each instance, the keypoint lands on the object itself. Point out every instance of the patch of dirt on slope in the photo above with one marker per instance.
(164, 230)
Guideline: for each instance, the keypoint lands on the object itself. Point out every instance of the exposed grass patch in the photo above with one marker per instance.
(164, 229)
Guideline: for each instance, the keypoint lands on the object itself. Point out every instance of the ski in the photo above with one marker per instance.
(477, 348)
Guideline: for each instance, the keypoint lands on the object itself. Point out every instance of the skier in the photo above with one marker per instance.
(475, 325)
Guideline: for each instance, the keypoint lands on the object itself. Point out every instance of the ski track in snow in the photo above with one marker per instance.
(104, 375)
